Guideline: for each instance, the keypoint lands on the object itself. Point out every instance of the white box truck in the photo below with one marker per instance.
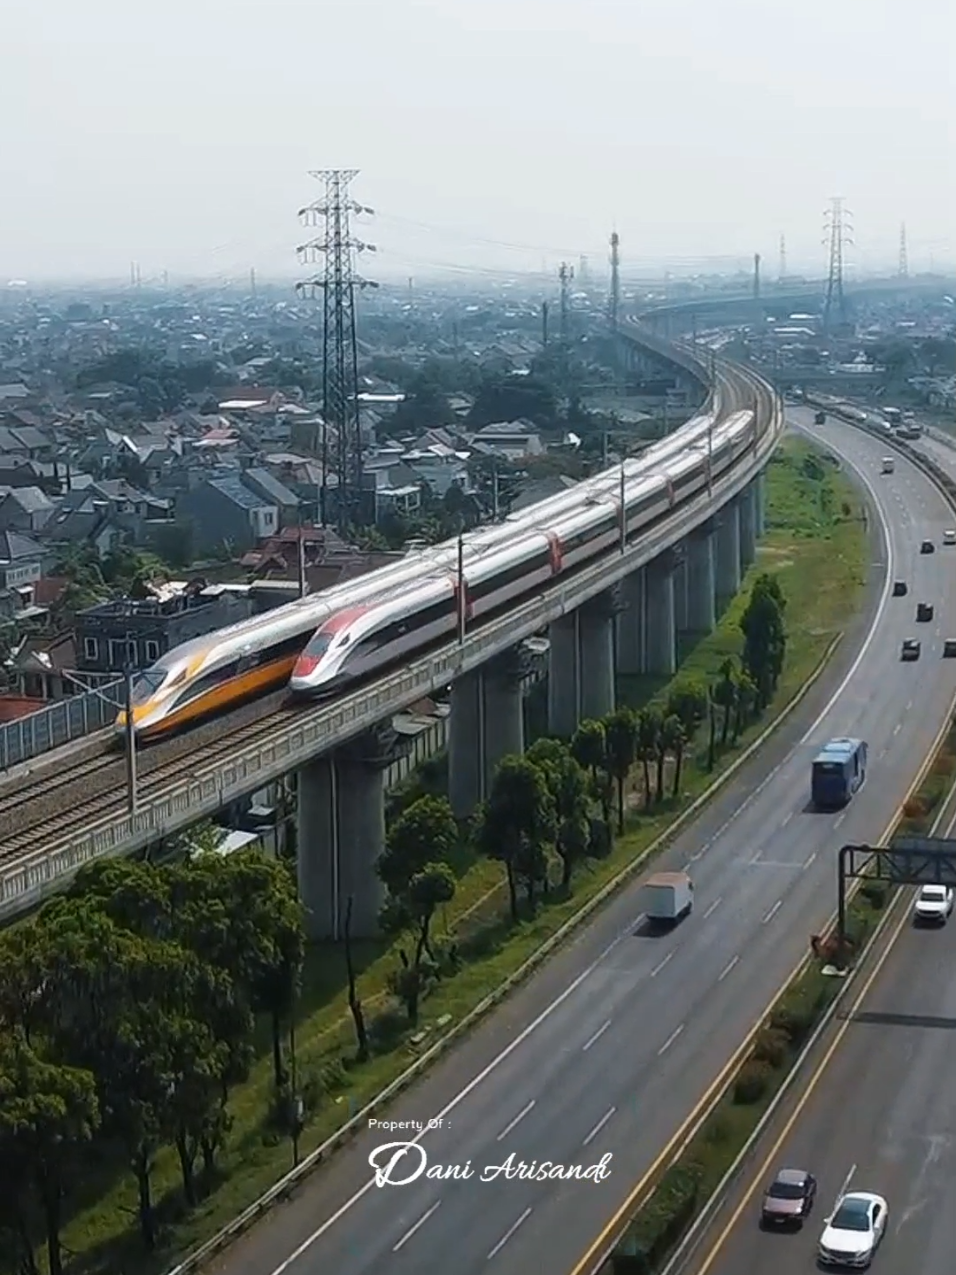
(667, 896)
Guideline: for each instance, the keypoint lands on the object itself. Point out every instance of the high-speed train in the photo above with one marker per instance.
(367, 638)
(214, 672)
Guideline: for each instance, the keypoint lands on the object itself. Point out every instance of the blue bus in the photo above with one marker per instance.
(839, 769)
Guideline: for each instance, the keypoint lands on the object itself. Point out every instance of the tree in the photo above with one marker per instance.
(674, 741)
(765, 638)
(416, 907)
(649, 722)
(688, 702)
(620, 733)
(355, 1005)
(513, 398)
(425, 832)
(589, 749)
(516, 825)
(724, 695)
(745, 702)
(568, 784)
(48, 1112)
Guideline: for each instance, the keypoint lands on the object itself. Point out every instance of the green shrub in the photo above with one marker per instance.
(661, 1222)
(875, 894)
(795, 1016)
(771, 1046)
(752, 1082)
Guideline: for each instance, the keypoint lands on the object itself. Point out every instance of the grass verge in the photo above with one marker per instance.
(683, 1191)
(816, 542)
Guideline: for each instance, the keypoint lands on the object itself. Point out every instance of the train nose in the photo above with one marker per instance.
(305, 666)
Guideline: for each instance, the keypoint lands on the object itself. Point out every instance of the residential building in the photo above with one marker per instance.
(138, 632)
(262, 483)
(25, 509)
(224, 513)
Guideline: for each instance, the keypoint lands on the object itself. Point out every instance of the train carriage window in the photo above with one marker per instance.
(209, 682)
(399, 628)
(510, 576)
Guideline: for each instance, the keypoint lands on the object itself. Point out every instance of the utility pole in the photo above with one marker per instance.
(565, 278)
(338, 284)
(838, 228)
(545, 307)
(132, 795)
(614, 298)
(904, 269)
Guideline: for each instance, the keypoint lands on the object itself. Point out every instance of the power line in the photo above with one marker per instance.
(338, 283)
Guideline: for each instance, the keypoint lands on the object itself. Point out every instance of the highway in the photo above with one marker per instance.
(614, 1043)
(887, 1126)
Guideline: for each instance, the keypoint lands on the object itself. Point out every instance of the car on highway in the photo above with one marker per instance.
(853, 1231)
(927, 547)
(900, 589)
(933, 904)
(888, 466)
(949, 536)
(949, 648)
(910, 650)
(789, 1198)
(924, 612)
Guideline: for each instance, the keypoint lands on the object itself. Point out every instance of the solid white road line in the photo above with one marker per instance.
(518, 1118)
(508, 1234)
(412, 1229)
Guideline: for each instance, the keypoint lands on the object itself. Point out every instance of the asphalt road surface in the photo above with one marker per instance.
(610, 1048)
(882, 1118)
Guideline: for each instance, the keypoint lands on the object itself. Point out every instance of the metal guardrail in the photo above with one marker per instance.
(26, 881)
(59, 723)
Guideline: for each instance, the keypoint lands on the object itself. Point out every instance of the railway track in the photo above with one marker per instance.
(113, 799)
(44, 813)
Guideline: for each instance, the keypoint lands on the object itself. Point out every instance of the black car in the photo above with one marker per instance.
(924, 612)
(789, 1198)
(927, 547)
(910, 650)
(899, 589)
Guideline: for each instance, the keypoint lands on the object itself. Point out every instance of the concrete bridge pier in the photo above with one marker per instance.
(728, 555)
(564, 677)
(680, 592)
(661, 626)
(342, 833)
(748, 527)
(466, 731)
(486, 724)
(503, 682)
(760, 504)
(596, 654)
(701, 582)
(631, 624)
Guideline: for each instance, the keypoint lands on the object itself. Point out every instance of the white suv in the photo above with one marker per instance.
(933, 903)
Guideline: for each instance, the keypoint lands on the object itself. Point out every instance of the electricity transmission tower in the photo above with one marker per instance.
(342, 453)
(904, 269)
(838, 228)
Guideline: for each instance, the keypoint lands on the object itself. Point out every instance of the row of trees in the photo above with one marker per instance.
(128, 1010)
(562, 802)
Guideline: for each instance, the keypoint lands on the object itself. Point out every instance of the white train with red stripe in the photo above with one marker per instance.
(405, 620)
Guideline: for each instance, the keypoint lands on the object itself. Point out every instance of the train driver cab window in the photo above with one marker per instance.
(146, 685)
(319, 644)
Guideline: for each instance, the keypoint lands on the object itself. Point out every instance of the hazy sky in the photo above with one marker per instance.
(489, 133)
